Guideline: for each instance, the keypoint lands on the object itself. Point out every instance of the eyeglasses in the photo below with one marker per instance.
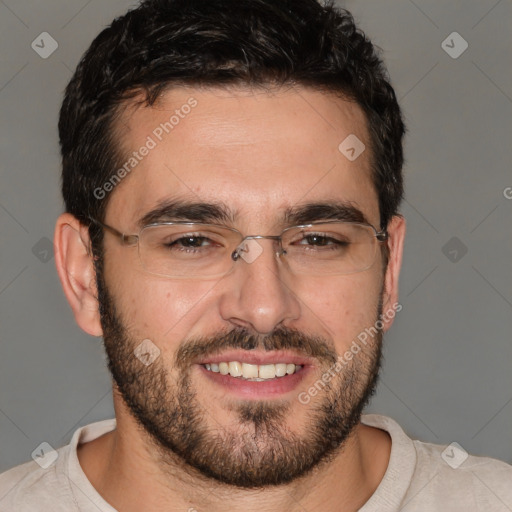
(187, 250)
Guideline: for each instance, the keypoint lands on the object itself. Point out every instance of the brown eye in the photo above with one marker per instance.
(191, 242)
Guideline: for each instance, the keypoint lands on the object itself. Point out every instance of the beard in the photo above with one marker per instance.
(260, 450)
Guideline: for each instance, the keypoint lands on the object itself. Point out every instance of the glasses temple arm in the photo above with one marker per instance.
(125, 239)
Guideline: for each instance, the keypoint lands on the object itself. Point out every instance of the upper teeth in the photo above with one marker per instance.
(253, 371)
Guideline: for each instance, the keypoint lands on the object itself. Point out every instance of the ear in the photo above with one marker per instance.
(75, 266)
(395, 242)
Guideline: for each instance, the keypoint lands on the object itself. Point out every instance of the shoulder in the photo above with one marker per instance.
(423, 476)
(451, 471)
(49, 483)
(29, 487)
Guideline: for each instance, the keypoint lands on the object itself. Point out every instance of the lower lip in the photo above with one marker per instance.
(258, 389)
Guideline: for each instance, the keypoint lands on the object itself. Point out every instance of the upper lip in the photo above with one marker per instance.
(257, 357)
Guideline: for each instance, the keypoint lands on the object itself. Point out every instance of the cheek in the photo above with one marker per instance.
(343, 307)
(169, 307)
(157, 308)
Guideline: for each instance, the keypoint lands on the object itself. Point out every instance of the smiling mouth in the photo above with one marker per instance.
(253, 372)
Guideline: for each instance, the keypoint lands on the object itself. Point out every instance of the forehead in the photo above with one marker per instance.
(257, 153)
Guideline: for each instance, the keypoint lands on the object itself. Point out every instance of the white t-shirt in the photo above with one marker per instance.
(420, 477)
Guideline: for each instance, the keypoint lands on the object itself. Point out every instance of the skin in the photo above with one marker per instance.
(259, 152)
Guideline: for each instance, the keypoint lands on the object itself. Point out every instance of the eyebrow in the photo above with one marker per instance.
(215, 213)
(330, 210)
(182, 210)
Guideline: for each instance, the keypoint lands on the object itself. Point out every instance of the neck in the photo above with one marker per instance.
(124, 468)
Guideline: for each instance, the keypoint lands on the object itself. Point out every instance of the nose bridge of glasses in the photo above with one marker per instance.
(250, 251)
(129, 239)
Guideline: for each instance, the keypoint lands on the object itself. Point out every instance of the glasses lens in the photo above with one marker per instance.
(187, 250)
(331, 248)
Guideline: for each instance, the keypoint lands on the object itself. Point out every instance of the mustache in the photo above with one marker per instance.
(280, 339)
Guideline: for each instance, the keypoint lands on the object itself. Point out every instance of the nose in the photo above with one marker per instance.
(258, 292)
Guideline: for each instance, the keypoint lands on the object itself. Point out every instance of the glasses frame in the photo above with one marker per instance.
(133, 239)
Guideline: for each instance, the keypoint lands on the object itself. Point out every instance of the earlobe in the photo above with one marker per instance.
(75, 266)
(396, 230)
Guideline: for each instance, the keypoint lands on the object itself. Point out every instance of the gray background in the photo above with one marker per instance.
(447, 358)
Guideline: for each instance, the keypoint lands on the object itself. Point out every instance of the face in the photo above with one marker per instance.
(258, 162)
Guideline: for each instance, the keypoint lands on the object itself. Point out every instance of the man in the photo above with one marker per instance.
(232, 179)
